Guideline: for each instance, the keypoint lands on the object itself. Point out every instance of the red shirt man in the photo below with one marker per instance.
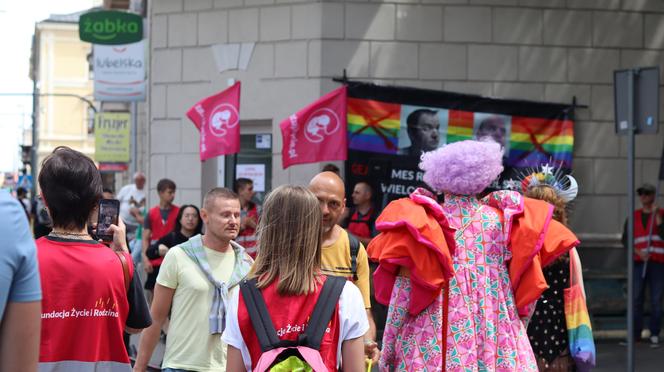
(159, 222)
(244, 188)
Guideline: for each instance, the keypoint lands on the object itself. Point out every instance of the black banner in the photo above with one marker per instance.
(389, 128)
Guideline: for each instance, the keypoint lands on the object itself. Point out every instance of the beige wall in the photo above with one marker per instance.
(63, 68)
(545, 50)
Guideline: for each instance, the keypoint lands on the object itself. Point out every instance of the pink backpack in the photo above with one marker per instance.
(284, 355)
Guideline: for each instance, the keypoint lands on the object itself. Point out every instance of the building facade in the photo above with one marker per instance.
(539, 50)
(61, 73)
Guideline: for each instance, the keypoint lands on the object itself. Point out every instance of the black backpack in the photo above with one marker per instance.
(313, 334)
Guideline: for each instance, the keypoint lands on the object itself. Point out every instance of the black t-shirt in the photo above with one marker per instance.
(139, 313)
(170, 240)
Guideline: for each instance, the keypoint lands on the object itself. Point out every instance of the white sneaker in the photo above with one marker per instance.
(654, 342)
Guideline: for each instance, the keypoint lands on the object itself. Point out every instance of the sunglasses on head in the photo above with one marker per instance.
(645, 193)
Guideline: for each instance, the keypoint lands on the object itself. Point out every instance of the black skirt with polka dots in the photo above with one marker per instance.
(547, 329)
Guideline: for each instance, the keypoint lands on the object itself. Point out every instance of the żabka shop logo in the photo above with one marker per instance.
(110, 27)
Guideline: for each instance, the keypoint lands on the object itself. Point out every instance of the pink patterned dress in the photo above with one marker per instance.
(484, 330)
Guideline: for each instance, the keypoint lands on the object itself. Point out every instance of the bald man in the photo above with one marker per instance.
(336, 260)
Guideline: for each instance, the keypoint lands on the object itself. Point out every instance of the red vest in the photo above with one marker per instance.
(641, 238)
(247, 237)
(159, 229)
(84, 306)
(360, 226)
(290, 315)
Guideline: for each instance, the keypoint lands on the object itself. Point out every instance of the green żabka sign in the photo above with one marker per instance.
(110, 27)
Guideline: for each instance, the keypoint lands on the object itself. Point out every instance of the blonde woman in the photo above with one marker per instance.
(287, 274)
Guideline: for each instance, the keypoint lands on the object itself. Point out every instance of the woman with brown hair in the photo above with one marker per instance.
(288, 277)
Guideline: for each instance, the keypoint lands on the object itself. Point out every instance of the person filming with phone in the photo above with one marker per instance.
(90, 292)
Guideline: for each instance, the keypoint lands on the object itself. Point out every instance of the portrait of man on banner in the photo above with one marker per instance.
(422, 129)
(495, 127)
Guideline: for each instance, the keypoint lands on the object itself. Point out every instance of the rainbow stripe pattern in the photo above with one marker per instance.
(459, 126)
(579, 329)
(373, 125)
(534, 141)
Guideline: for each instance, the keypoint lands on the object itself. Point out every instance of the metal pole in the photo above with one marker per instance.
(630, 221)
(133, 164)
(35, 119)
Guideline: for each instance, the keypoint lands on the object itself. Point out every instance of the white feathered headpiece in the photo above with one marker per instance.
(565, 185)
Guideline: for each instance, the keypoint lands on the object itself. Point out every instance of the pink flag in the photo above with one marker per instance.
(217, 118)
(317, 132)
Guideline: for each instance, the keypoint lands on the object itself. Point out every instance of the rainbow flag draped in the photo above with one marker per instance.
(535, 141)
(373, 125)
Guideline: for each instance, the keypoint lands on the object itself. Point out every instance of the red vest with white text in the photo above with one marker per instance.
(84, 307)
(160, 229)
(290, 315)
(641, 238)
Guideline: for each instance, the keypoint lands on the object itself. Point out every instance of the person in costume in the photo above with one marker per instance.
(547, 329)
(460, 276)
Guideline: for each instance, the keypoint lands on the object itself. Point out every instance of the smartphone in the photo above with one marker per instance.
(108, 215)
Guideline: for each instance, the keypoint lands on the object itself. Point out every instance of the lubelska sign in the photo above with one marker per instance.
(110, 27)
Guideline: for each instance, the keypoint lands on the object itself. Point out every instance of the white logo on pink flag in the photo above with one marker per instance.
(322, 123)
(224, 117)
(217, 118)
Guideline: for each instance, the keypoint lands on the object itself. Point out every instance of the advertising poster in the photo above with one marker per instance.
(112, 137)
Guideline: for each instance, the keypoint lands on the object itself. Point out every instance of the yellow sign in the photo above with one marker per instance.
(112, 134)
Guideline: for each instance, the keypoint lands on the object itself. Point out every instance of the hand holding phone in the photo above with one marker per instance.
(109, 210)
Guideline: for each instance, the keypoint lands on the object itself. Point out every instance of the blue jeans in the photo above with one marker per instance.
(654, 280)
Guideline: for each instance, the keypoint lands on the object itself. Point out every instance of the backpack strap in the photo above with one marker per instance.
(354, 244)
(260, 317)
(322, 313)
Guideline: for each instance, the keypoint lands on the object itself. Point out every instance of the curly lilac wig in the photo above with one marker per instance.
(462, 168)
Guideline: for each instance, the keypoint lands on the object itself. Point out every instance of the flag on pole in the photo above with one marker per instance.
(317, 132)
(217, 118)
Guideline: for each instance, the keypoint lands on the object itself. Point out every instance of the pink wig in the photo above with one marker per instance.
(462, 168)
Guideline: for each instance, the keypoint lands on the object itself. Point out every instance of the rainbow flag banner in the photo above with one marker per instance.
(536, 141)
(459, 126)
(390, 127)
(373, 125)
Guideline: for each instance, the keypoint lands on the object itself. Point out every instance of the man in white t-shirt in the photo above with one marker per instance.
(132, 203)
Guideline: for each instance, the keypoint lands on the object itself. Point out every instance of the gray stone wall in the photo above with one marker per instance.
(544, 50)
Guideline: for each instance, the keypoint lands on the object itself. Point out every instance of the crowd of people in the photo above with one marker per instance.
(305, 280)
